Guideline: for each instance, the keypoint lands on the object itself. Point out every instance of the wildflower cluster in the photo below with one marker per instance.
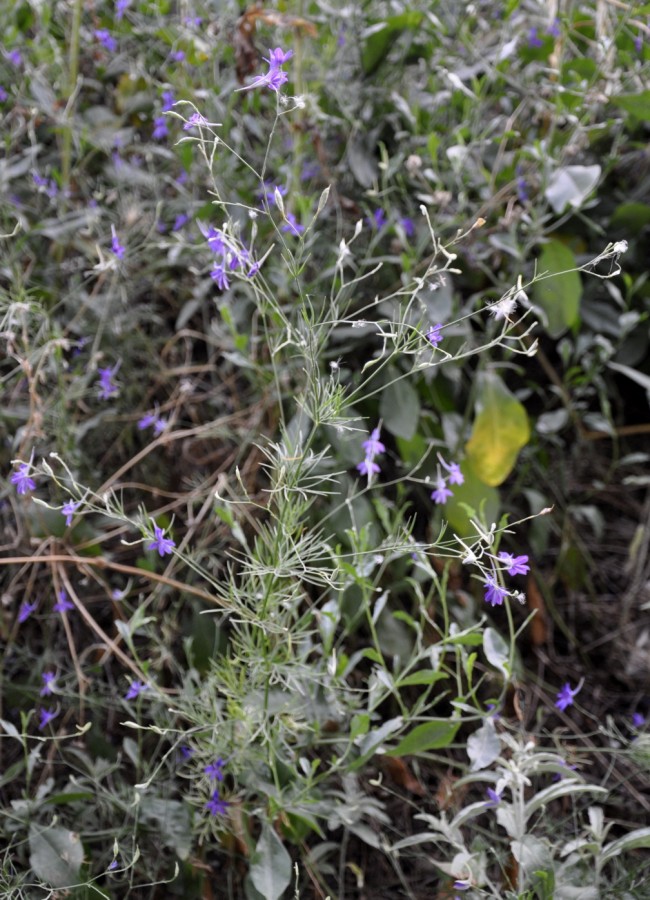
(454, 476)
(231, 256)
(495, 592)
(373, 447)
(276, 76)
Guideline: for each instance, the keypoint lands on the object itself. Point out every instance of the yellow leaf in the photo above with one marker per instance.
(500, 430)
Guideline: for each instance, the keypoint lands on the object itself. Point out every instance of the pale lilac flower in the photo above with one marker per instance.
(516, 565)
(107, 387)
(159, 424)
(135, 689)
(46, 718)
(219, 275)
(373, 446)
(161, 543)
(22, 480)
(168, 100)
(455, 475)
(278, 57)
(62, 604)
(638, 43)
(494, 593)
(160, 129)
(442, 492)
(215, 769)
(522, 187)
(368, 467)
(192, 21)
(49, 679)
(196, 119)
(276, 76)
(15, 57)
(3, 94)
(533, 40)
(433, 335)
(494, 798)
(68, 510)
(113, 865)
(25, 611)
(215, 805)
(106, 39)
(116, 247)
(178, 56)
(565, 696)
(49, 186)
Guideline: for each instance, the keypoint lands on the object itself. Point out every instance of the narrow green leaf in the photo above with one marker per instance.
(428, 736)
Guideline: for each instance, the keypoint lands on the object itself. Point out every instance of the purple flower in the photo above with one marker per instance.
(195, 119)
(554, 28)
(378, 219)
(116, 247)
(185, 752)
(113, 865)
(68, 510)
(180, 220)
(22, 480)
(442, 492)
(433, 335)
(276, 76)
(106, 39)
(107, 387)
(494, 798)
(159, 424)
(15, 57)
(292, 224)
(178, 56)
(455, 475)
(278, 57)
(49, 186)
(49, 679)
(215, 239)
(215, 769)
(3, 94)
(192, 21)
(522, 189)
(62, 604)
(494, 593)
(120, 8)
(516, 565)
(373, 446)
(215, 805)
(368, 467)
(161, 543)
(533, 40)
(638, 43)
(25, 611)
(565, 696)
(135, 689)
(220, 276)
(638, 720)
(408, 226)
(168, 100)
(160, 130)
(46, 718)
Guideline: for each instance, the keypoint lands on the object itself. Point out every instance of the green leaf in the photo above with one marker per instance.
(636, 105)
(270, 868)
(380, 36)
(424, 677)
(400, 408)
(55, 855)
(631, 217)
(496, 651)
(500, 430)
(558, 295)
(428, 736)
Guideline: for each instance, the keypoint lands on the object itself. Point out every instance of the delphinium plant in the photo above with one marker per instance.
(236, 515)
